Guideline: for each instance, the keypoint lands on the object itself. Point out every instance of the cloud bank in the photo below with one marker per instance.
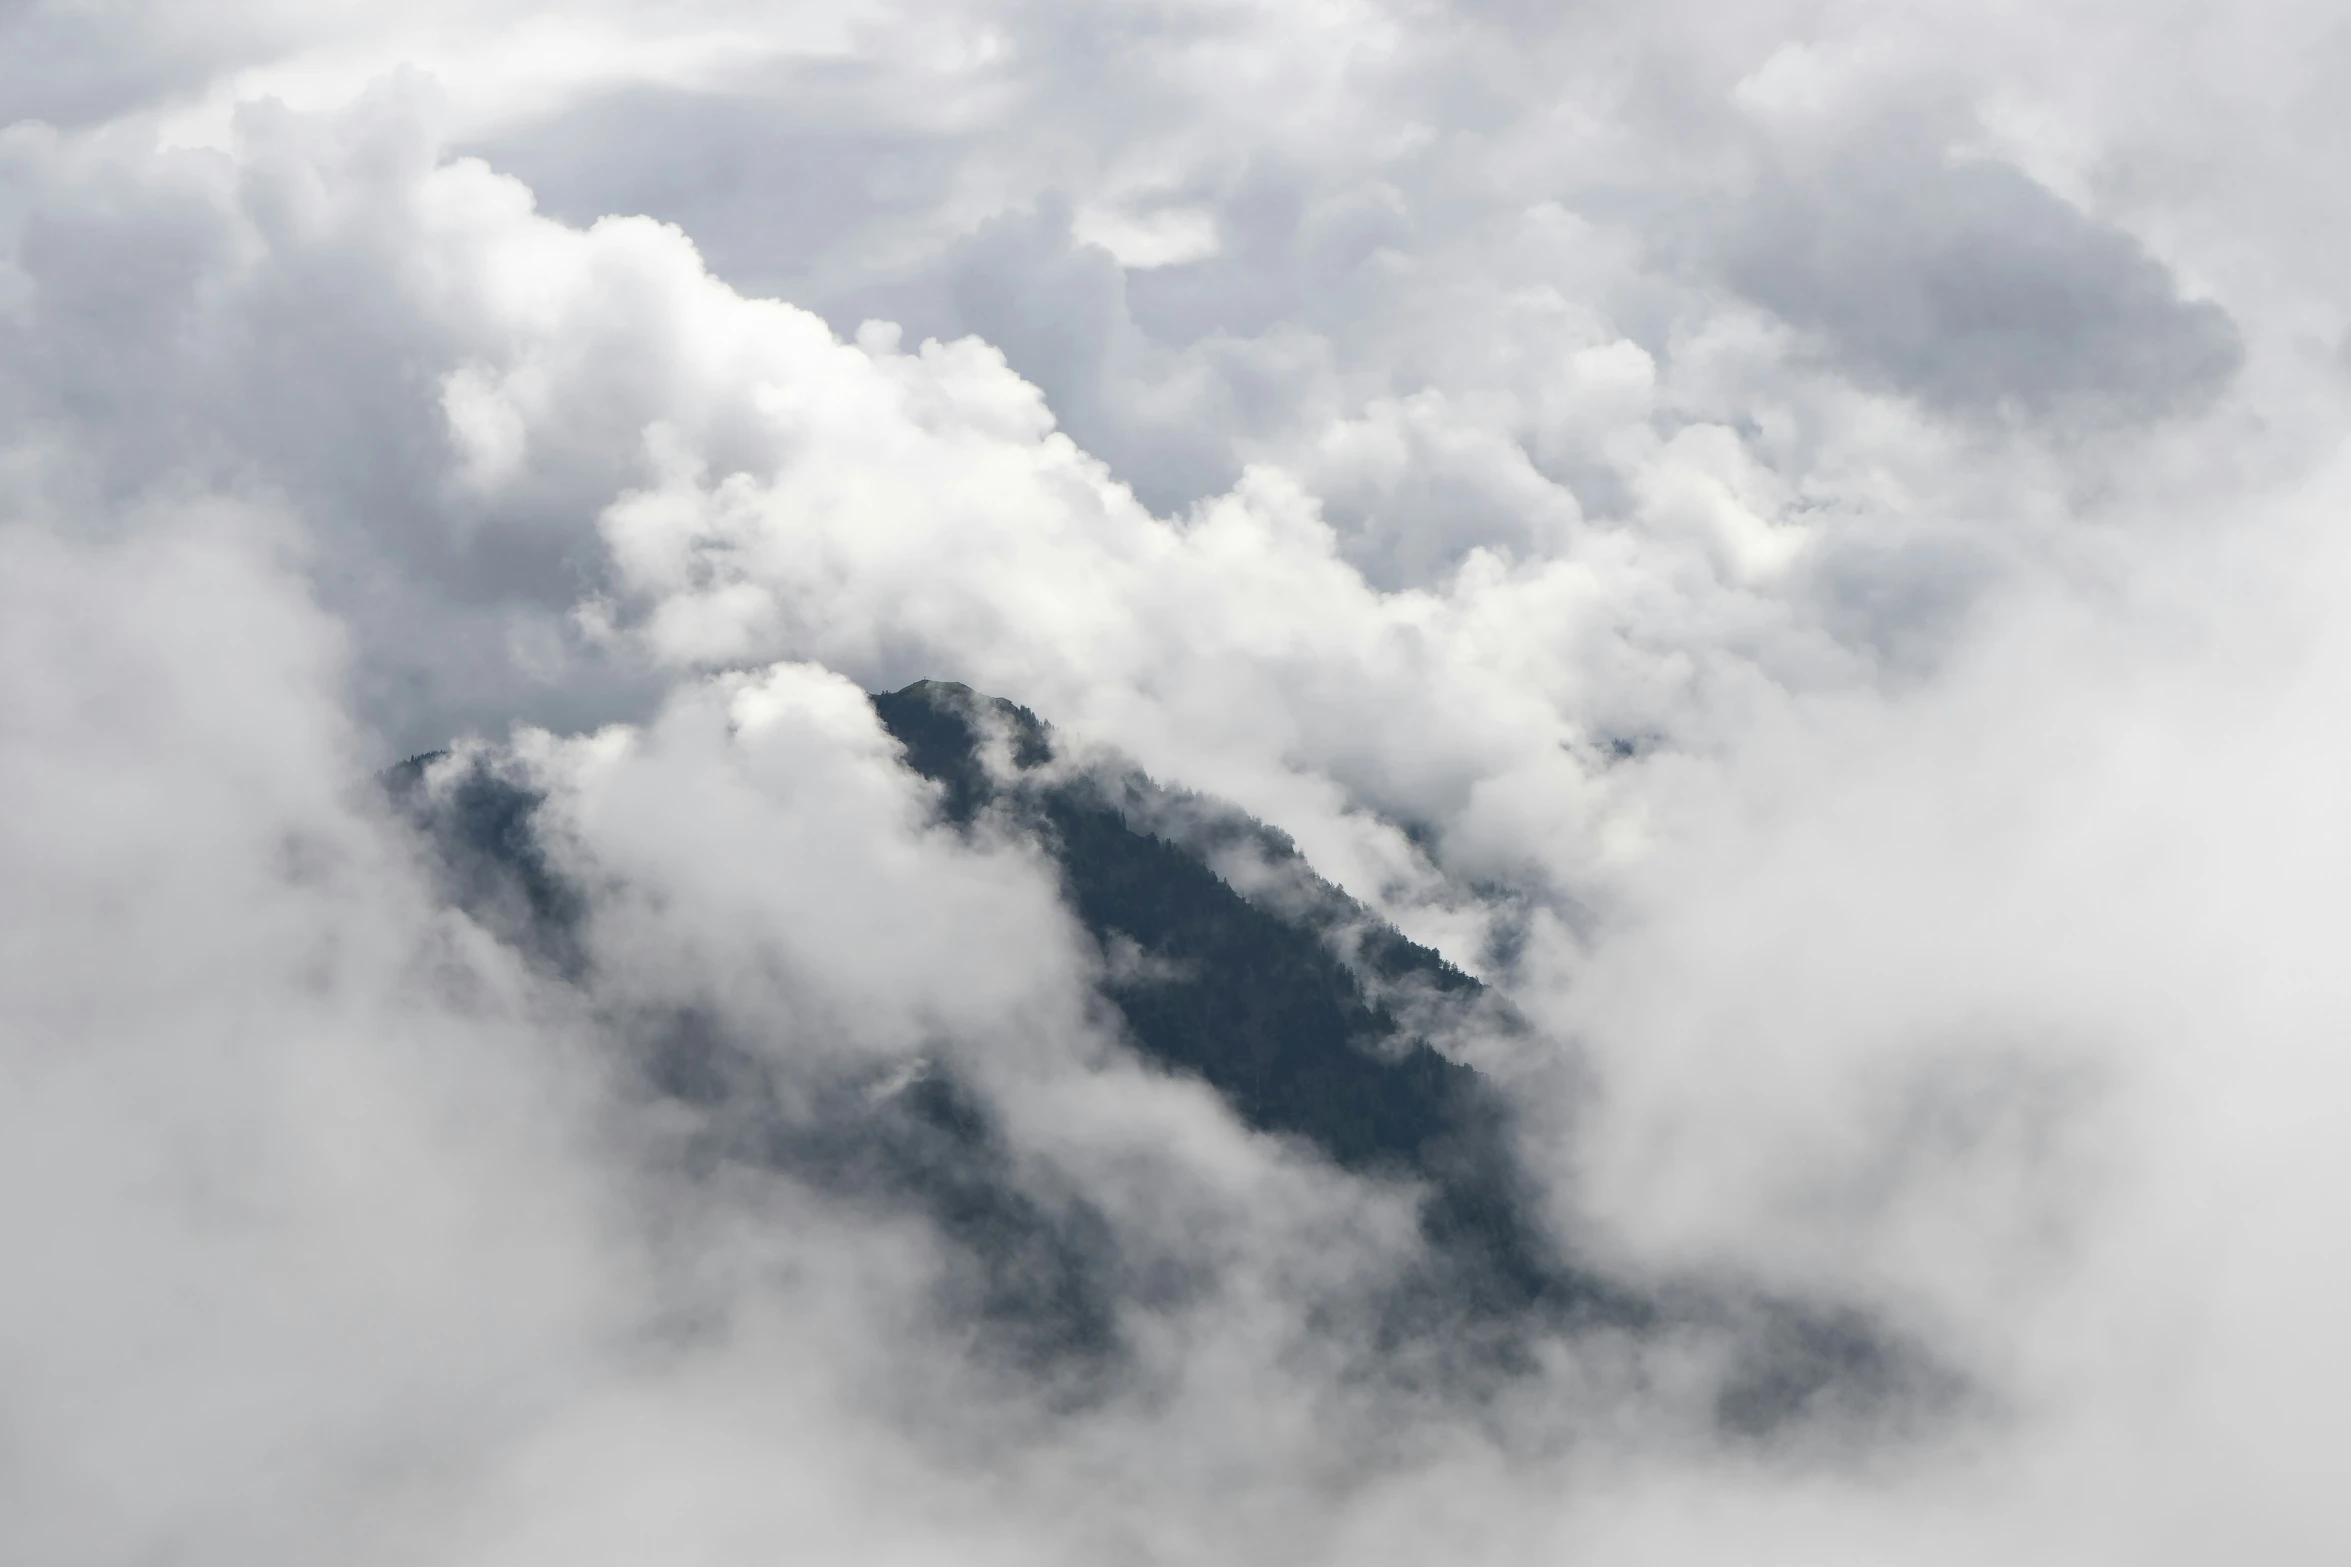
(1794, 543)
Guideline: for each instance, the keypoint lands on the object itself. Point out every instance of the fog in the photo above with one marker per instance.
(1798, 543)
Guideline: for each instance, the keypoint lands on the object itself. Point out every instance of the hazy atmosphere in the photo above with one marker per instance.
(1135, 783)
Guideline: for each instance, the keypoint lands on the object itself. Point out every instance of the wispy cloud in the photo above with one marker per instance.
(1795, 544)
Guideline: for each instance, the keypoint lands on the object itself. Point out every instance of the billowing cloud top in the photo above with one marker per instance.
(1794, 544)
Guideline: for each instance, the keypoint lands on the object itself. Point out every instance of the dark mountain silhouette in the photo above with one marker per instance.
(1261, 1004)
(1312, 1019)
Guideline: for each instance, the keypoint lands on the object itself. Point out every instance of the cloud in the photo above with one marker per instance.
(1969, 286)
(292, 1194)
(1793, 543)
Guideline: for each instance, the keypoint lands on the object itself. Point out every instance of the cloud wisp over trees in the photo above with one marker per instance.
(1619, 841)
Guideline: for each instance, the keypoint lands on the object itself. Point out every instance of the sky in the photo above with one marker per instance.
(1799, 541)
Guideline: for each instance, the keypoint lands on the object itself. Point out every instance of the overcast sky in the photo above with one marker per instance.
(1801, 541)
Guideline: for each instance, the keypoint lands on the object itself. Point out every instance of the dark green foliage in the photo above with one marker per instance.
(1030, 1275)
(1042, 1274)
(489, 858)
(1260, 1008)
(1264, 1009)
(1030, 1278)
(937, 724)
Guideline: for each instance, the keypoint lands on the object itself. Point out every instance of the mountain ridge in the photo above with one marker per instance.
(1311, 1019)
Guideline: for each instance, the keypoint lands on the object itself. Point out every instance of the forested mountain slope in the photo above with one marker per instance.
(1310, 1018)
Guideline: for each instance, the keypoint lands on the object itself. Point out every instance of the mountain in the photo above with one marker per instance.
(1226, 959)
(1299, 1015)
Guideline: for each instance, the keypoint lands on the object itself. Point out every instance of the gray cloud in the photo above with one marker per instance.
(790, 186)
(1969, 286)
(75, 65)
(1912, 889)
